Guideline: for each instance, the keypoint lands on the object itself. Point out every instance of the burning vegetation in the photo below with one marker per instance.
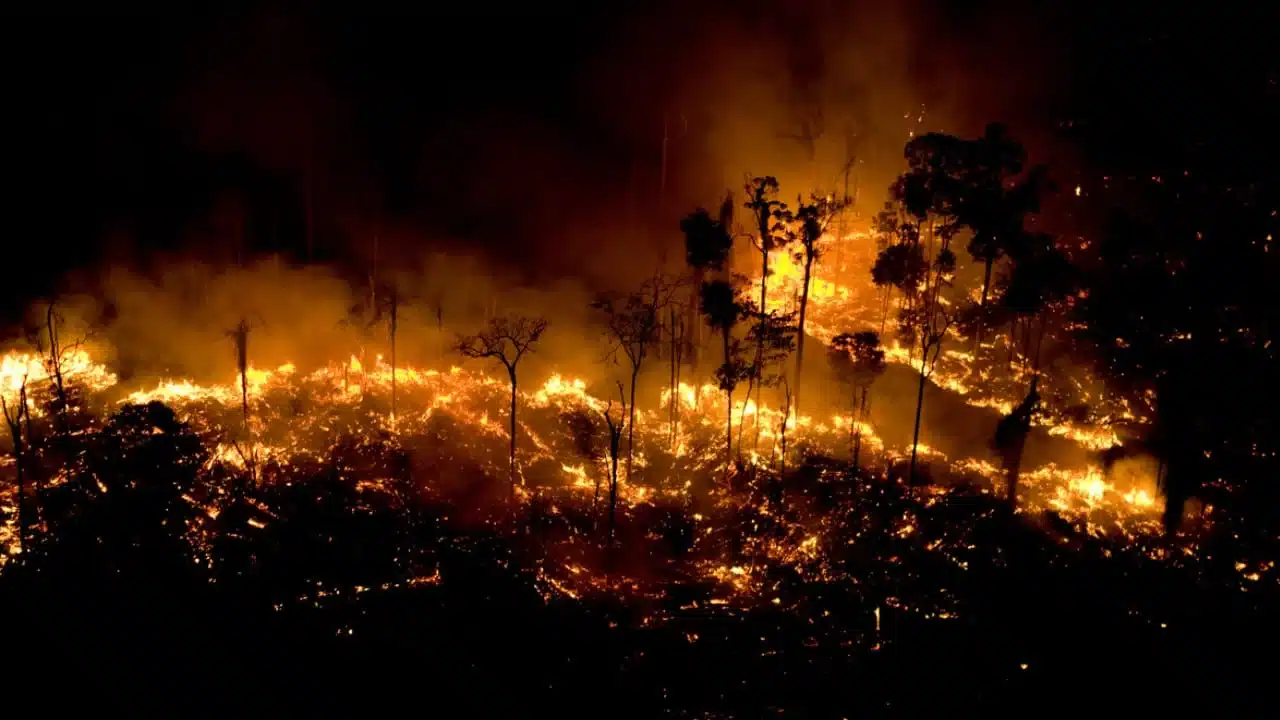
(815, 440)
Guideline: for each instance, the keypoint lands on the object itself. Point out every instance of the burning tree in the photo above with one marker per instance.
(857, 360)
(506, 340)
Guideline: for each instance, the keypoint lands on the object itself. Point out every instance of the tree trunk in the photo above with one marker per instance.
(986, 280)
(728, 399)
(915, 438)
(512, 372)
(613, 483)
(857, 436)
(804, 305)
(631, 420)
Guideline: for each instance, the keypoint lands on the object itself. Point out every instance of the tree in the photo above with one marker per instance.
(992, 210)
(723, 310)
(707, 243)
(858, 360)
(813, 218)
(54, 351)
(772, 234)
(774, 336)
(615, 443)
(507, 340)
(927, 196)
(634, 326)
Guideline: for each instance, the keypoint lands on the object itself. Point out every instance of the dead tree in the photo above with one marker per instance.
(54, 351)
(240, 336)
(506, 340)
(615, 445)
(15, 419)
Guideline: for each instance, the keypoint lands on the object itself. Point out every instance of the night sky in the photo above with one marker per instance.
(508, 134)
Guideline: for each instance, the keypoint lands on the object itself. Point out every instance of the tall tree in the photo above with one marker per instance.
(771, 233)
(634, 328)
(924, 217)
(813, 219)
(507, 340)
(723, 310)
(707, 242)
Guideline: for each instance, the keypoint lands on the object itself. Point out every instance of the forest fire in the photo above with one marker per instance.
(294, 414)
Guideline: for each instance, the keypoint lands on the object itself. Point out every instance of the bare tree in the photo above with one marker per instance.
(634, 327)
(54, 351)
(15, 420)
(507, 340)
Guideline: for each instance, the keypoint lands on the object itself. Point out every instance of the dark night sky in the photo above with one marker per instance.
(124, 131)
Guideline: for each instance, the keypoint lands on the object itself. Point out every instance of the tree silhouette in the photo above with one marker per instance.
(772, 234)
(920, 222)
(723, 310)
(813, 219)
(634, 327)
(615, 443)
(707, 243)
(507, 340)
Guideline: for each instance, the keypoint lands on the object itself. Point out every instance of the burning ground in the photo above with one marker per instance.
(305, 490)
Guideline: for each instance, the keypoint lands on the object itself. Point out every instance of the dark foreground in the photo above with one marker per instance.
(1045, 631)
